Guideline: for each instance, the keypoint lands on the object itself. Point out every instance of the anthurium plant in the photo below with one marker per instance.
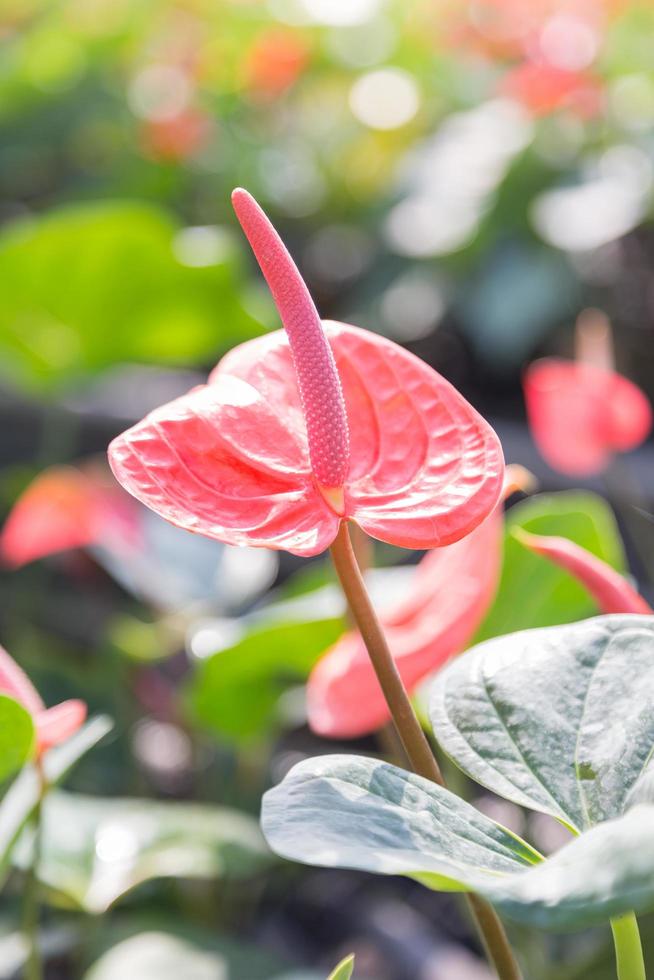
(304, 432)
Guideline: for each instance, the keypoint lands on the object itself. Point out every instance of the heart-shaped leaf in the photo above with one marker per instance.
(17, 736)
(352, 812)
(94, 850)
(557, 719)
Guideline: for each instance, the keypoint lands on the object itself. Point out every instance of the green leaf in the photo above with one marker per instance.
(344, 969)
(557, 719)
(16, 736)
(533, 591)
(236, 692)
(352, 812)
(162, 949)
(88, 285)
(95, 850)
(22, 796)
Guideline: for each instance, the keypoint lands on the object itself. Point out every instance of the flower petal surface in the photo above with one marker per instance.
(55, 725)
(15, 682)
(451, 591)
(229, 461)
(425, 467)
(580, 414)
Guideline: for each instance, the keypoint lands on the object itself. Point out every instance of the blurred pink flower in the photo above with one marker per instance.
(580, 415)
(53, 725)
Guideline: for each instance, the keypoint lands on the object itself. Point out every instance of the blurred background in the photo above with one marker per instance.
(464, 177)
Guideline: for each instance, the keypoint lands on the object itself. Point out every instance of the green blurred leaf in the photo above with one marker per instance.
(236, 691)
(95, 850)
(163, 949)
(343, 970)
(89, 285)
(21, 798)
(556, 719)
(353, 812)
(16, 736)
(535, 592)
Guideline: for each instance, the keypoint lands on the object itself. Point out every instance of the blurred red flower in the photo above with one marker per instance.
(53, 725)
(581, 414)
(274, 62)
(176, 137)
(543, 88)
(65, 508)
(299, 431)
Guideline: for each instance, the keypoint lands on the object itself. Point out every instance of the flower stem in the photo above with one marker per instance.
(412, 736)
(34, 963)
(628, 950)
(408, 727)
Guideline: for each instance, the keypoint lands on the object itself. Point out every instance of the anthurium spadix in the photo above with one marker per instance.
(309, 426)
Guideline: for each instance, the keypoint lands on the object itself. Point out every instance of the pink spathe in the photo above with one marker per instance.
(232, 459)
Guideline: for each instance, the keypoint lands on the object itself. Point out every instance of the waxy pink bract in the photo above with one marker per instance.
(231, 460)
(580, 415)
(66, 508)
(53, 725)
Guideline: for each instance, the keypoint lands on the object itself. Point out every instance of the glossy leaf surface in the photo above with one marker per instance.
(352, 812)
(580, 414)
(355, 812)
(530, 716)
(230, 459)
(94, 850)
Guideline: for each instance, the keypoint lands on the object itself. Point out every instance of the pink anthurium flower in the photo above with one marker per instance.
(581, 414)
(53, 725)
(305, 428)
(65, 508)
(451, 591)
(611, 591)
